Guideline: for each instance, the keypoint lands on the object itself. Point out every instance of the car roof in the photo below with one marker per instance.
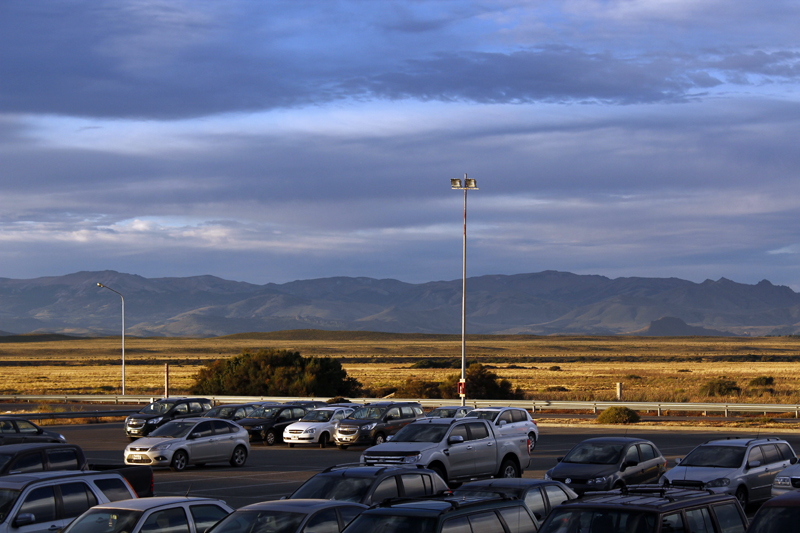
(15, 448)
(144, 504)
(182, 399)
(441, 420)
(20, 481)
(515, 483)
(300, 504)
(787, 499)
(361, 470)
(437, 506)
(17, 417)
(615, 440)
(742, 441)
(648, 497)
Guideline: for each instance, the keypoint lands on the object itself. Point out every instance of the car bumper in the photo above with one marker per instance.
(299, 438)
(358, 438)
(140, 431)
(152, 458)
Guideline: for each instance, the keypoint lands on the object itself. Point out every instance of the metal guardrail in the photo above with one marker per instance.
(534, 405)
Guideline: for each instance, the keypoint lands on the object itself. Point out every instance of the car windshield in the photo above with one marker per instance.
(594, 453)
(440, 412)
(484, 415)
(4, 459)
(382, 523)
(175, 429)
(715, 456)
(367, 413)
(260, 522)
(421, 433)
(334, 487)
(775, 520)
(561, 520)
(7, 499)
(157, 408)
(317, 416)
(265, 412)
(105, 521)
(221, 412)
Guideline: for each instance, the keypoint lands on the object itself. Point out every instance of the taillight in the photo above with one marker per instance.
(529, 447)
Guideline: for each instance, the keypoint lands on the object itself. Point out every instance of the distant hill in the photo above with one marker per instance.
(675, 327)
(540, 303)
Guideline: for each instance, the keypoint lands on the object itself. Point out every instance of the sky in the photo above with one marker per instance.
(269, 141)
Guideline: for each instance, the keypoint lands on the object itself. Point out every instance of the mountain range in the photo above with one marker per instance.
(540, 303)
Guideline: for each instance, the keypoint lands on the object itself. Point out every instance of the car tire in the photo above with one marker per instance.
(239, 457)
(323, 440)
(508, 469)
(380, 438)
(343, 446)
(441, 473)
(532, 438)
(290, 445)
(741, 495)
(270, 438)
(179, 461)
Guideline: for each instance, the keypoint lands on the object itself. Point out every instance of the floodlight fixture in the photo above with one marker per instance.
(470, 183)
(455, 183)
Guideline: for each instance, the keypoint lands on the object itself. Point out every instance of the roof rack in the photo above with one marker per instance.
(347, 465)
(453, 501)
(668, 492)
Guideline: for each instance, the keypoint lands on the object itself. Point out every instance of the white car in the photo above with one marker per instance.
(196, 441)
(316, 427)
(508, 421)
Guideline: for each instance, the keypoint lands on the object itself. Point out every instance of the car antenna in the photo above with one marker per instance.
(187, 490)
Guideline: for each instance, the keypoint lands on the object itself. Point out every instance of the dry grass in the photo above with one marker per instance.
(651, 369)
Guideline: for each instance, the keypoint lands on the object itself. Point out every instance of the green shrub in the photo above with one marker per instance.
(631, 377)
(720, 387)
(555, 368)
(761, 381)
(481, 384)
(556, 388)
(618, 415)
(415, 388)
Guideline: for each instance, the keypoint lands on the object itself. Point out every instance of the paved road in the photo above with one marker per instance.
(272, 472)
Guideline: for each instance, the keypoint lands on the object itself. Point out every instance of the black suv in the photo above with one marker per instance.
(160, 412)
(267, 422)
(16, 431)
(446, 515)
(648, 509)
(372, 423)
(371, 484)
(24, 458)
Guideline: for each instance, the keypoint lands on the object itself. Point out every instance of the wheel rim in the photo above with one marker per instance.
(532, 438)
(510, 471)
(239, 456)
(180, 461)
(270, 438)
(323, 440)
(379, 439)
(741, 495)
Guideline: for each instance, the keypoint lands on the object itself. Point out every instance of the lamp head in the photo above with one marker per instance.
(455, 183)
(470, 183)
(100, 284)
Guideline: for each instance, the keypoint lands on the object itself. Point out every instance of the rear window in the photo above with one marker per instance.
(731, 521)
(63, 459)
(561, 520)
(114, 489)
(647, 452)
(519, 415)
(206, 516)
(28, 463)
(334, 487)
(786, 450)
(771, 454)
(518, 520)
(77, 499)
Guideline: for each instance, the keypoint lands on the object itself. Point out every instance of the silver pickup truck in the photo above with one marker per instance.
(458, 450)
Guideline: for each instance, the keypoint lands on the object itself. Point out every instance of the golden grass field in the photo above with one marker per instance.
(651, 369)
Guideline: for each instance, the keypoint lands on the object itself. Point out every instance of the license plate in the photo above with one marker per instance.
(294, 438)
(135, 431)
(347, 438)
(137, 457)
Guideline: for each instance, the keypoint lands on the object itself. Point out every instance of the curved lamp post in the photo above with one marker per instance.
(469, 185)
(123, 333)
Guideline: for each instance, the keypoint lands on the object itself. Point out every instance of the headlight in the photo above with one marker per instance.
(155, 420)
(127, 419)
(719, 482)
(310, 431)
(163, 446)
(597, 481)
(412, 458)
(782, 482)
(547, 477)
(257, 428)
(369, 427)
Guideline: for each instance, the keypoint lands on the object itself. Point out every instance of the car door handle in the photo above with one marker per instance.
(489, 443)
(469, 447)
(53, 528)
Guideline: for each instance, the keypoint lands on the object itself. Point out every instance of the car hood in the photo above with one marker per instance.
(356, 423)
(793, 470)
(390, 448)
(140, 416)
(149, 442)
(577, 470)
(304, 425)
(698, 473)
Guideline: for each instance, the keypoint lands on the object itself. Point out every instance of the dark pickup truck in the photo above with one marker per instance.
(38, 457)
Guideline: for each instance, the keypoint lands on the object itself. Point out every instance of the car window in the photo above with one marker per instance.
(729, 519)
(195, 407)
(386, 489)
(406, 412)
(113, 488)
(672, 523)
(755, 455)
(323, 522)
(26, 427)
(632, 454)
(27, 463)
(456, 525)
(205, 516)
(240, 412)
(486, 522)
(203, 429)
(7, 427)
(699, 520)
(393, 414)
(348, 512)
(338, 415)
(63, 459)
(167, 521)
(786, 450)
(505, 415)
(535, 502)
(771, 454)
(41, 503)
(221, 427)
(418, 411)
(518, 415)
(413, 485)
(181, 409)
(206, 406)
(76, 498)
(518, 520)
(460, 431)
(555, 495)
(647, 452)
(298, 412)
(285, 414)
(477, 430)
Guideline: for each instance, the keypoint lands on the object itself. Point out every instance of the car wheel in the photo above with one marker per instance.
(179, 461)
(532, 438)
(618, 485)
(379, 439)
(343, 446)
(270, 438)
(508, 469)
(440, 471)
(290, 445)
(741, 495)
(132, 438)
(323, 440)
(239, 457)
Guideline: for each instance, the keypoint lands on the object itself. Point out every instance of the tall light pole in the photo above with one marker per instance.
(123, 333)
(469, 184)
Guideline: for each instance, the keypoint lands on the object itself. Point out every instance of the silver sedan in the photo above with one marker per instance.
(194, 441)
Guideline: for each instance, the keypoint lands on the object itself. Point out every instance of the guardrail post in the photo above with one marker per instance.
(659, 411)
(619, 391)
(726, 411)
(594, 409)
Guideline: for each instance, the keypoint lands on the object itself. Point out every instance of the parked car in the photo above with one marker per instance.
(191, 441)
(45, 456)
(160, 412)
(449, 411)
(266, 424)
(371, 484)
(745, 467)
(316, 427)
(648, 509)
(235, 411)
(457, 449)
(446, 515)
(170, 514)
(540, 495)
(291, 516)
(604, 463)
(16, 431)
(788, 479)
(44, 502)
(372, 423)
(510, 421)
(777, 515)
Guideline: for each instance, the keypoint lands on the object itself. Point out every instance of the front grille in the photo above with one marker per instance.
(796, 482)
(138, 449)
(572, 480)
(134, 423)
(688, 483)
(143, 460)
(348, 430)
(383, 459)
(295, 431)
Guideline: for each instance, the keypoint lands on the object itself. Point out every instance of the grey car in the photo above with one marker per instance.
(744, 467)
(290, 516)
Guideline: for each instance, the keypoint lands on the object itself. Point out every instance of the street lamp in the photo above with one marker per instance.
(469, 184)
(123, 334)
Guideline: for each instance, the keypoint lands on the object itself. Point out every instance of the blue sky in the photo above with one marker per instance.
(268, 141)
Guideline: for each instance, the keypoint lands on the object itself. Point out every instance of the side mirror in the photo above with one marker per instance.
(559, 459)
(753, 464)
(455, 439)
(793, 460)
(24, 519)
(193, 436)
(390, 437)
(502, 423)
(677, 461)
